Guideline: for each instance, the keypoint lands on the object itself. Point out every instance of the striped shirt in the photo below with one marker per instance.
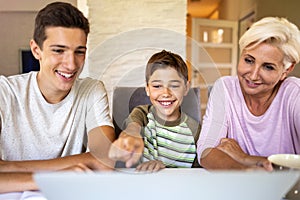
(173, 143)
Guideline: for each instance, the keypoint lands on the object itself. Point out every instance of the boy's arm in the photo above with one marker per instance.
(129, 146)
(99, 138)
(16, 182)
(48, 165)
(22, 181)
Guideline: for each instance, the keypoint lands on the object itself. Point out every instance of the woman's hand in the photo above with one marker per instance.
(233, 149)
(262, 163)
(151, 166)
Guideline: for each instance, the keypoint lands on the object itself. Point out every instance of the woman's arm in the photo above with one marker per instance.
(215, 159)
(232, 148)
(214, 124)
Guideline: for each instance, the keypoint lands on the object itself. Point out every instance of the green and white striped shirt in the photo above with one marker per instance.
(173, 143)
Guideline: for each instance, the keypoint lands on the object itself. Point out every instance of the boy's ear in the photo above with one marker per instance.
(187, 87)
(147, 90)
(35, 49)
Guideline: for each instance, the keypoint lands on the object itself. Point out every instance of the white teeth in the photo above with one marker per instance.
(64, 74)
(166, 103)
(252, 83)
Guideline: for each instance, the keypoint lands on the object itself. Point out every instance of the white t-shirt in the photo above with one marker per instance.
(227, 116)
(31, 128)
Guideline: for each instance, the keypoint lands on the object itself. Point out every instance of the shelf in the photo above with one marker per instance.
(216, 45)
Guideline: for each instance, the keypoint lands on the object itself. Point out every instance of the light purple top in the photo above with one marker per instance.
(276, 131)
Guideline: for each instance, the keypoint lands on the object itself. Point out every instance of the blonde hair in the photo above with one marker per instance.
(274, 31)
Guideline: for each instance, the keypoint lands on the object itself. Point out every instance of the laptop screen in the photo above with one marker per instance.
(172, 184)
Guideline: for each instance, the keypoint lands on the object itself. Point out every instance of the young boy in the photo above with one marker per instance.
(165, 135)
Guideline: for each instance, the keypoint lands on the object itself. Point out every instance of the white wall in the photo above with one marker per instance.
(124, 34)
(16, 31)
(281, 8)
(110, 19)
(17, 22)
(237, 9)
(27, 5)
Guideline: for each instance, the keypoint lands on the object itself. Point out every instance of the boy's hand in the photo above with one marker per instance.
(151, 166)
(127, 148)
(80, 167)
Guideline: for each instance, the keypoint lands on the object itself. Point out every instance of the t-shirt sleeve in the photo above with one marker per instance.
(98, 107)
(296, 119)
(214, 125)
(138, 115)
(194, 126)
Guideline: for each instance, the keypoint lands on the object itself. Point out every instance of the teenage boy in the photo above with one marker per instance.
(51, 119)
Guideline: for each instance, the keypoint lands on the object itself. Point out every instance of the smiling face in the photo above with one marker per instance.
(260, 69)
(166, 90)
(61, 61)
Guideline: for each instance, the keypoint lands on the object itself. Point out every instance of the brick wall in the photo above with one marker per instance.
(124, 34)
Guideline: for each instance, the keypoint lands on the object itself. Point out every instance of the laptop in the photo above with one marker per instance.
(175, 184)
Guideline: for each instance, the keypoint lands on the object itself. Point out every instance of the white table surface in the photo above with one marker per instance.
(175, 184)
(167, 183)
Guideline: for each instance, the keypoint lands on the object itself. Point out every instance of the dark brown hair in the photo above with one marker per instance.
(164, 59)
(58, 14)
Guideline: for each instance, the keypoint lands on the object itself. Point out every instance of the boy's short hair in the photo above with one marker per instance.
(164, 59)
(58, 14)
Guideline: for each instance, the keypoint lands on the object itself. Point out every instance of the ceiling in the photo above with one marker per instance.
(202, 8)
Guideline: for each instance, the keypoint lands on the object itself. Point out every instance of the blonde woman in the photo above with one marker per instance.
(256, 113)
